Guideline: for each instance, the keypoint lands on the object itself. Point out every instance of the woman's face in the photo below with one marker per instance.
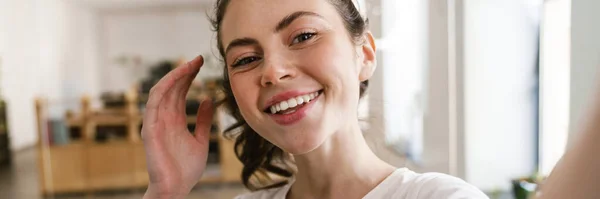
(294, 70)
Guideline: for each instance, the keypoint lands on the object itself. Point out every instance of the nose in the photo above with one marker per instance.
(275, 71)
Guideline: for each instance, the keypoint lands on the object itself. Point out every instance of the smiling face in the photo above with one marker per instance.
(294, 69)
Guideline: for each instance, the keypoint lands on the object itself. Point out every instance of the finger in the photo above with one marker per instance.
(182, 88)
(181, 101)
(163, 88)
(175, 97)
(204, 121)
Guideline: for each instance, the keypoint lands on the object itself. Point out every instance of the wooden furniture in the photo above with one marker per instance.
(86, 165)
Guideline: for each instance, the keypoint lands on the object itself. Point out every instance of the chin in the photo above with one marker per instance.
(304, 144)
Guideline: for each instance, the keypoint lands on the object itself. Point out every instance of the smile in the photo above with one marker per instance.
(290, 110)
(291, 105)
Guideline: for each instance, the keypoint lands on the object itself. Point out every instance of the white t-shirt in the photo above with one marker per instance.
(402, 183)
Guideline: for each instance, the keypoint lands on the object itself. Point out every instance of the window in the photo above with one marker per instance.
(554, 79)
(404, 49)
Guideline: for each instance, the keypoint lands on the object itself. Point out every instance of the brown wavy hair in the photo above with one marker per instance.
(263, 161)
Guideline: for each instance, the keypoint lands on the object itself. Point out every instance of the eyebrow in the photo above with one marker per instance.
(241, 42)
(284, 23)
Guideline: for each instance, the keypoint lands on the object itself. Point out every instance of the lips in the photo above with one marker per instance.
(289, 107)
(291, 104)
(277, 100)
(294, 114)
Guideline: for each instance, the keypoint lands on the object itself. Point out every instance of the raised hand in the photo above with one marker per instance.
(175, 158)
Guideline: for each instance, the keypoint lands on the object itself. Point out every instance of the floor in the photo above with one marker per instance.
(20, 181)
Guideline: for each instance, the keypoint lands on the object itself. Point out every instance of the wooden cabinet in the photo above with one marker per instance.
(87, 165)
(140, 176)
(65, 168)
(110, 166)
(229, 163)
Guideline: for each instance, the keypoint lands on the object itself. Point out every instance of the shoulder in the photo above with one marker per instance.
(408, 184)
(438, 185)
(273, 193)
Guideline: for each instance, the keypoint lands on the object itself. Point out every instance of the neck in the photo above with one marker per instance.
(342, 167)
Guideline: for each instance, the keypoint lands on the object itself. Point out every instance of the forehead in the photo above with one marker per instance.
(255, 18)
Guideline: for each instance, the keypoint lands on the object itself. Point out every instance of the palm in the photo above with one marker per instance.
(176, 159)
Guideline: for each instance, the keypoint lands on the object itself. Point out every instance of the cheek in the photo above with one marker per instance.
(243, 88)
(326, 57)
(332, 63)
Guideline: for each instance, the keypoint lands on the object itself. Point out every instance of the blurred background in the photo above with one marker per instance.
(490, 91)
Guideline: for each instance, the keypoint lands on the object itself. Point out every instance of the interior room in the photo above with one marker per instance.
(492, 92)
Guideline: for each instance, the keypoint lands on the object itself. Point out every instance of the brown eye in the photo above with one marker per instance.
(244, 61)
(303, 37)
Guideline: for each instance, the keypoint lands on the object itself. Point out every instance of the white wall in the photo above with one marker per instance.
(81, 56)
(3, 21)
(52, 38)
(500, 43)
(585, 59)
(63, 49)
(39, 53)
(21, 64)
(154, 35)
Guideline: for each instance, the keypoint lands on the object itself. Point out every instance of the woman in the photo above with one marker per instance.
(294, 74)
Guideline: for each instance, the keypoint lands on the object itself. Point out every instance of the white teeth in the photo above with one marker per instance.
(284, 105)
(306, 98)
(293, 102)
(300, 100)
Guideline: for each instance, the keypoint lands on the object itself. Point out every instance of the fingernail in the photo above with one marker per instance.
(195, 60)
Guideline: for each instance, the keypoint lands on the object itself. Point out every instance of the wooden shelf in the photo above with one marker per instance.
(109, 120)
(75, 122)
(114, 142)
(71, 144)
(85, 165)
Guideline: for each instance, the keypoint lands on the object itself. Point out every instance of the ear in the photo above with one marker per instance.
(369, 58)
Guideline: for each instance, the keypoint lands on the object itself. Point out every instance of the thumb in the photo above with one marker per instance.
(204, 120)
